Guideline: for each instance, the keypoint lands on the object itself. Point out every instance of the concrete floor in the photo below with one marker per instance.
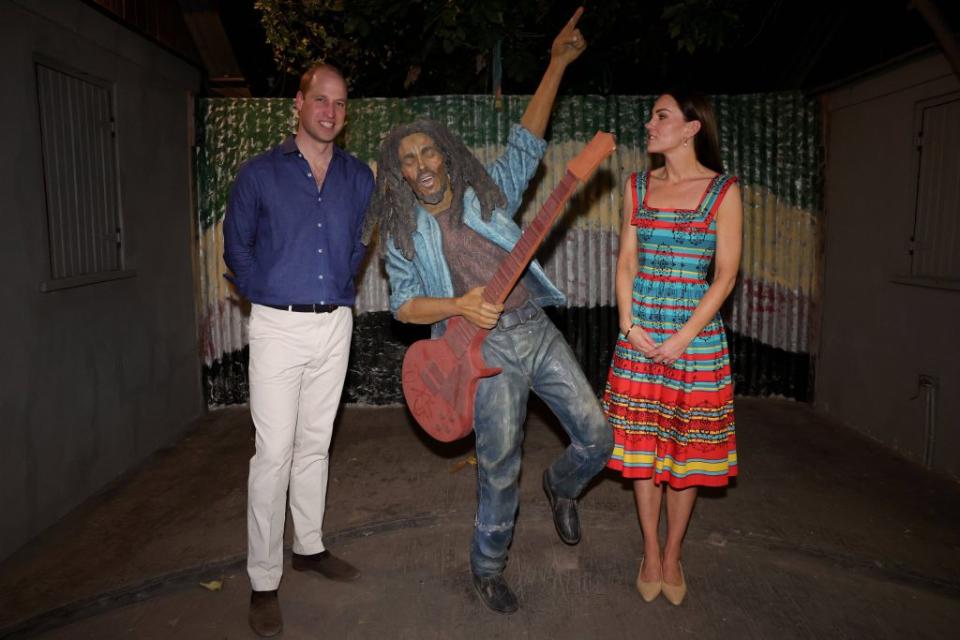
(824, 535)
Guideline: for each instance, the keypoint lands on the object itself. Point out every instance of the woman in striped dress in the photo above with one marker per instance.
(669, 394)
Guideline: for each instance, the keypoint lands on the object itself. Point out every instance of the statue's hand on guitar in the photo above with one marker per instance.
(478, 311)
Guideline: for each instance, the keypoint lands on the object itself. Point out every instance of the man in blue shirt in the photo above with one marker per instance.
(446, 224)
(292, 238)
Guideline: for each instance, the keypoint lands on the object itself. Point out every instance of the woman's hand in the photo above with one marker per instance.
(640, 340)
(670, 349)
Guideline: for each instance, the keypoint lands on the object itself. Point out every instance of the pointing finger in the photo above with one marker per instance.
(576, 17)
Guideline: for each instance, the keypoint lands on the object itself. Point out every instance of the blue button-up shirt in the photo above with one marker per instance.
(288, 241)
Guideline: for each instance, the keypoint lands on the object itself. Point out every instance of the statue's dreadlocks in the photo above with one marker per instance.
(394, 203)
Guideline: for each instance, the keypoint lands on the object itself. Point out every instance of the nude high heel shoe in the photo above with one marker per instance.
(648, 590)
(675, 593)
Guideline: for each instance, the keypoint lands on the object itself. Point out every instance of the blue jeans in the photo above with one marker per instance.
(533, 356)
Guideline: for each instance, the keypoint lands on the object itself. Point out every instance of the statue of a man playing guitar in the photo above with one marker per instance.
(446, 223)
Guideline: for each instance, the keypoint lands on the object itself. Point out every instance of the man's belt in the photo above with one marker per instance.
(305, 308)
(522, 314)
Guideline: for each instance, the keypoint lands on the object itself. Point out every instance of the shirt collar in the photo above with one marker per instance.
(289, 145)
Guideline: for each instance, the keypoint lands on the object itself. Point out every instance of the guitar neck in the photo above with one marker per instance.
(513, 265)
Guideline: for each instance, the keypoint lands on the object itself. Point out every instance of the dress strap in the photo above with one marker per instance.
(643, 179)
(635, 208)
(711, 203)
(638, 187)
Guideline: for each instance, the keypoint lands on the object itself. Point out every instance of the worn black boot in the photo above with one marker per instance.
(565, 516)
(495, 593)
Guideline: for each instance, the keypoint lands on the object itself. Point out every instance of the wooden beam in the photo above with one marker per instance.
(224, 73)
(945, 37)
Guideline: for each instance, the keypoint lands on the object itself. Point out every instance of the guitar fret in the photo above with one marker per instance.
(495, 287)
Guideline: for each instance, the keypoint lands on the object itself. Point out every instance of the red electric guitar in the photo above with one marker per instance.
(440, 376)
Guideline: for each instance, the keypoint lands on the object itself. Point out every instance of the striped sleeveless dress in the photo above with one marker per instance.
(674, 422)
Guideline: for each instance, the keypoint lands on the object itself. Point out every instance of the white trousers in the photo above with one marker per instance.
(298, 362)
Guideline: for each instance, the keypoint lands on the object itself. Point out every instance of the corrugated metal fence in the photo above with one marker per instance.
(771, 141)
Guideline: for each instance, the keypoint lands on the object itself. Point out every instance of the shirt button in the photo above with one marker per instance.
(319, 199)
(309, 175)
(319, 224)
(320, 277)
(319, 250)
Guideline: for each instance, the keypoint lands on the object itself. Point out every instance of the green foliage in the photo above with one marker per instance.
(700, 24)
(402, 47)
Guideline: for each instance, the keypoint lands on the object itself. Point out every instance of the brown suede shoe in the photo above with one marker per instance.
(265, 617)
(327, 565)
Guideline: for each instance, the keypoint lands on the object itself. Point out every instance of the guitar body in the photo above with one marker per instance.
(440, 387)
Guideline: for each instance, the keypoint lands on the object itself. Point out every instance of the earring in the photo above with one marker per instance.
(685, 141)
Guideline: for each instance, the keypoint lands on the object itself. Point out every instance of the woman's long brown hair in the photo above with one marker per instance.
(706, 144)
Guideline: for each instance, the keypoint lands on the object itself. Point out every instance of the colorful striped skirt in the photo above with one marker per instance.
(674, 423)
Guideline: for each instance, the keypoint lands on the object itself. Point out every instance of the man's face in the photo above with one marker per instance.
(423, 167)
(323, 108)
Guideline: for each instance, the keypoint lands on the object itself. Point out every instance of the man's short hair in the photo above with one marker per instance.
(307, 78)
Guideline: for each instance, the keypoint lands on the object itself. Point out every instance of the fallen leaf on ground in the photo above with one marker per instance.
(460, 464)
(213, 585)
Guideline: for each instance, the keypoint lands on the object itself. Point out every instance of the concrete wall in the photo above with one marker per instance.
(94, 378)
(878, 336)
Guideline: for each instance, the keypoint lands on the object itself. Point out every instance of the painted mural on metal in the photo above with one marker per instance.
(771, 141)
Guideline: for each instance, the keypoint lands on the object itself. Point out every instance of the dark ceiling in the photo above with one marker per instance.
(778, 45)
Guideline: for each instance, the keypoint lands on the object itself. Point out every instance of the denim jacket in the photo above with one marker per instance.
(428, 275)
